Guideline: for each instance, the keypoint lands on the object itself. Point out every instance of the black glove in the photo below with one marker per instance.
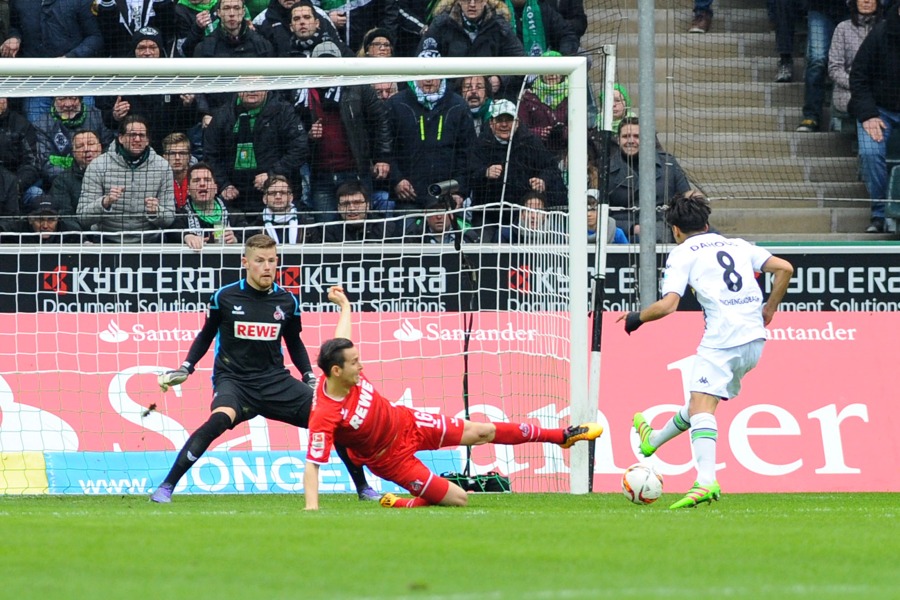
(633, 321)
(174, 377)
(309, 379)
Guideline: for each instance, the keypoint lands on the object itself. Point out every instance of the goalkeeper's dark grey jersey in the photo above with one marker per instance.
(248, 326)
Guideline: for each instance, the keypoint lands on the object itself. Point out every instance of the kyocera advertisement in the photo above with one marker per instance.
(80, 410)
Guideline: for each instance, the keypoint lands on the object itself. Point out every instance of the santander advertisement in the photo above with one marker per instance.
(80, 411)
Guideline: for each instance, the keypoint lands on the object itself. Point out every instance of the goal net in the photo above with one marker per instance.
(475, 306)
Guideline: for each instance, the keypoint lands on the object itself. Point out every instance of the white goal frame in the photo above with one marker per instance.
(85, 76)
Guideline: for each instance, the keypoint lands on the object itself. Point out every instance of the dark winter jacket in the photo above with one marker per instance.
(53, 28)
(447, 37)
(875, 74)
(18, 148)
(118, 26)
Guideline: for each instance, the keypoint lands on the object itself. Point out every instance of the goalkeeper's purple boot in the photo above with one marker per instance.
(163, 493)
(367, 494)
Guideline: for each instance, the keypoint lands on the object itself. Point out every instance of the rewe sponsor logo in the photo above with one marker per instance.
(256, 331)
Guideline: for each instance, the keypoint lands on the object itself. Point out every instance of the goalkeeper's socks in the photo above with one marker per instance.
(521, 433)
(217, 424)
(678, 424)
(356, 472)
(704, 433)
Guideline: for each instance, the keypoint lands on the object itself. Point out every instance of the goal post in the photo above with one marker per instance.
(112, 277)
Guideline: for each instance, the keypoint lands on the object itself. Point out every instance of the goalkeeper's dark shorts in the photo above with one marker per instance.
(279, 397)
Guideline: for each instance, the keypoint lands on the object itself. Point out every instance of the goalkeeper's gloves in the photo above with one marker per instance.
(632, 322)
(174, 377)
(309, 378)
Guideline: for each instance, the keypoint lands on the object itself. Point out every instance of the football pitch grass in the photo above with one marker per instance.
(524, 546)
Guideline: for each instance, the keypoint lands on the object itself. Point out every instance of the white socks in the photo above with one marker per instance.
(704, 432)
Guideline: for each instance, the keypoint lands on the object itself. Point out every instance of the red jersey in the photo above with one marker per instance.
(365, 422)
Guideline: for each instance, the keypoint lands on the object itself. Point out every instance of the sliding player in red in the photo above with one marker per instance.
(348, 411)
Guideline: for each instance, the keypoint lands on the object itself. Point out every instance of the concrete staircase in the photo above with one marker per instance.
(732, 128)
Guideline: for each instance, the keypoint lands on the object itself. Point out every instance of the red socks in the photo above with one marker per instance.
(521, 433)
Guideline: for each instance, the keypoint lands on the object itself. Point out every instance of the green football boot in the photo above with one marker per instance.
(644, 430)
(698, 495)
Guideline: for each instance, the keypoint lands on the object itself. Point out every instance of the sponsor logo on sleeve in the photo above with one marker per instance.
(317, 445)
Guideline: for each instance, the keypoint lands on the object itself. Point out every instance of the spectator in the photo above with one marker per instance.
(66, 189)
(4, 20)
(9, 199)
(848, 36)
(67, 115)
(233, 38)
(786, 13)
(385, 90)
(274, 24)
(475, 28)
(433, 136)
(120, 21)
(165, 112)
(51, 30)
(875, 103)
(354, 19)
(411, 25)
(573, 12)
(822, 17)
(703, 15)
(614, 234)
(307, 33)
(350, 140)
(255, 7)
(541, 28)
(355, 224)
(544, 110)
(507, 163)
(377, 43)
(624, 181)
(280, 219)
(42, 226)
(438, 225)
(533, 224)
(476, 91)
(18, 151)
(205, 217)
(621, 107)
(128, 190)
(177, 152)
(254, 136)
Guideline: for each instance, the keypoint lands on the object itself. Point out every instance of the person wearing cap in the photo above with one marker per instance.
(614, 234)
(544, 109)
(41, 226)
(255, 135)
(120, 21)
(530, 166)
(165, 112)
(377, 43)
(127, 192)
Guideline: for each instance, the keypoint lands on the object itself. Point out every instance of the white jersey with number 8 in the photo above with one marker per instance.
(722, 272)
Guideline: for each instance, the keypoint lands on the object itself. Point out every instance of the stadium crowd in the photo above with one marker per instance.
(117, 168)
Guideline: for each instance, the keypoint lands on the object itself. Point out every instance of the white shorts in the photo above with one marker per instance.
(718, 371)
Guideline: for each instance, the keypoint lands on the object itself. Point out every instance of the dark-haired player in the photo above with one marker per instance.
(722, 273)
(349, 412)
(250, 318)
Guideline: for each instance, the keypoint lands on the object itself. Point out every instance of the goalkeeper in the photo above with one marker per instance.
(250, 318)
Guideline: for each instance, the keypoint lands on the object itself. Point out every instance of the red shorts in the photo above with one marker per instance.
(423, 431)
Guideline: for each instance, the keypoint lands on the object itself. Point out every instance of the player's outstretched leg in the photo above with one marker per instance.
(193, 449)
(644, 431)
(393, 501)
(363, 489)
(698, 495)
(578, 433)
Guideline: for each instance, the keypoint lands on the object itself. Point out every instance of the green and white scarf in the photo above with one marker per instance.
(533, 36)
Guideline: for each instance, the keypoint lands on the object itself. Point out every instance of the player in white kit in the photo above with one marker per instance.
(722, 273)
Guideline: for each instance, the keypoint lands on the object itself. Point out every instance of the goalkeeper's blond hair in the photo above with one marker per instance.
(260, 241)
